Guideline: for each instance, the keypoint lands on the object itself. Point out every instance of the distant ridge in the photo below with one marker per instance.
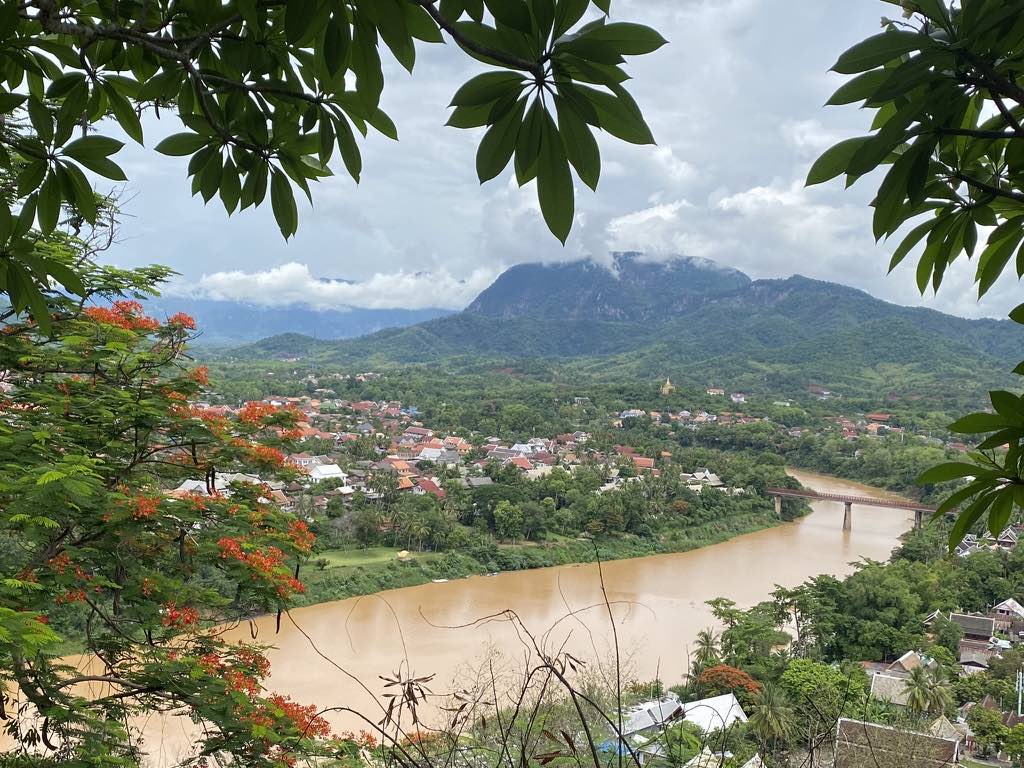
(693, 319)
(233, 323)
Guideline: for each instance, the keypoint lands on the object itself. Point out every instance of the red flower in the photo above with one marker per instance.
(301, 536)
(267, 455)
(255, 412)
(181, 320)
(72, 596)
(123, 314)
(144, 507)
(200, 375)
(180, 618)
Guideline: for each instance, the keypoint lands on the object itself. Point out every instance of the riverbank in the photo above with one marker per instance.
(355, 573)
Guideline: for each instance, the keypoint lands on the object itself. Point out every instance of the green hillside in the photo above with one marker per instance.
(695, 323)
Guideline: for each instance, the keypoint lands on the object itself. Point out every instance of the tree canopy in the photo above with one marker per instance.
(945, 83)
(268, 93)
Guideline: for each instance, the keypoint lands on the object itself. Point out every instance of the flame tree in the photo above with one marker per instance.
(99, 422)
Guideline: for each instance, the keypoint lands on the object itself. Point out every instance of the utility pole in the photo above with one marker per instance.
(1020, 691)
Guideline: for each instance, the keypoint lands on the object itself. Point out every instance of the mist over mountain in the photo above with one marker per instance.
(231, 323)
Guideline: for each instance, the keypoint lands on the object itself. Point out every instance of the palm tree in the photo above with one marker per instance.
(927, 692)
(706, 649)
(772, 720)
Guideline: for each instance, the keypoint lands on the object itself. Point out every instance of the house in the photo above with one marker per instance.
(738, 397)
(944, 728)
(890, 688)
(519, 462)
(715, 713)
(1009, 616)
(651, 715)
(304, 460)
(426, 486)
(974, 627)
(715, 391)
(643, 463)
(320, 472)
(878, 417)
(703, 476)
(910, 661)
(867, 745)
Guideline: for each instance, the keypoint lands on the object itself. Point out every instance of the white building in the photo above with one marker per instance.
(322, 472)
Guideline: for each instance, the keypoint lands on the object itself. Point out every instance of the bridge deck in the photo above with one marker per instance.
(864, 500)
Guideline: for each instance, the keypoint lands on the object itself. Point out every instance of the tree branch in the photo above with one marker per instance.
(535, 68)
(990, 188)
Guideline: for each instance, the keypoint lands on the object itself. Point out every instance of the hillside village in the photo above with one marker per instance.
(373, 448)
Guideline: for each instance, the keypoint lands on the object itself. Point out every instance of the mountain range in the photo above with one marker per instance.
(694, 321)
(230, 323)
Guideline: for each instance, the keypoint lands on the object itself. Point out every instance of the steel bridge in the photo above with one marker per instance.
(848, 500)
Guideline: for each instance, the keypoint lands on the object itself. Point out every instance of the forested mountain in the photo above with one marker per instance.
(632, 290)
(233, 322)
(694, 321)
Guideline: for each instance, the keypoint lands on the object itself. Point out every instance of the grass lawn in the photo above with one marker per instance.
(350, 558)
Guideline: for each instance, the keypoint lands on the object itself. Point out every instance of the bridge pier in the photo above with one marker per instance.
(778, 507)
(847, 516)
(918, 519)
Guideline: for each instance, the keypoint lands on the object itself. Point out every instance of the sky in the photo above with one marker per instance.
(735, 102)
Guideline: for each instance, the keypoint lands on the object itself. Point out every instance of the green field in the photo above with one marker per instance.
(350, 558)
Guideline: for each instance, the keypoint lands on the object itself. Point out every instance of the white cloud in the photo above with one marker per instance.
(294, 283)
(810, 136)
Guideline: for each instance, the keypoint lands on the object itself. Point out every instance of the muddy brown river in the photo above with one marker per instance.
(659, 606)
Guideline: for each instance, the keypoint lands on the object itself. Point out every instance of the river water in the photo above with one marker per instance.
(332, 650)
(658, 605)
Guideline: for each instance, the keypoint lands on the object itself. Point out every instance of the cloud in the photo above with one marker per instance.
(735, 102)
(294, 283)
(810, 136)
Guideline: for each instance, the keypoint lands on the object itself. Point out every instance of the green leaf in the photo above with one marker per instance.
(48, 206)
(104, 167)
(554, 181)
(913, 238)
(833, 161)
(298, 19)
(618, 114)
(488, 87)
(859, 88)
(1007, 404)
(977, 423)
(966, 520)
(994, 258)
(880, 49)
(181, 144)
(92, 147)
(336, 44)
(567, 14)
(999, 515)
(580, 145)
(421, 25)
(629, 39)
(1016, 314)
(124, 112)
(282, 200)
(528, 147)
(511, 13)
(230, 187)
(499, 144)
(952, 470)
